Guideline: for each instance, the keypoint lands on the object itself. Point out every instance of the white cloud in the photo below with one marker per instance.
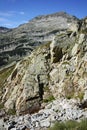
(8, 18)
(3, 19)
(8, 25)
(5, 14)
(24, 21)
(11, 13)
(22, 13)
(5, 22)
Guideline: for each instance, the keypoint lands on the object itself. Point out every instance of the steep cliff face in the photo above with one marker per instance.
(54, 70)
(22, 40)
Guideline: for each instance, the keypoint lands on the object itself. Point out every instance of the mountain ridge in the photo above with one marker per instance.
(49, 84)
(22, 40)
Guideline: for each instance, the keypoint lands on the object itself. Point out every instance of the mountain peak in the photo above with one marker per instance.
(41, 29)
(57, 14)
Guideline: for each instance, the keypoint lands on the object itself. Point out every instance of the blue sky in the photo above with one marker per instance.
(16, 12)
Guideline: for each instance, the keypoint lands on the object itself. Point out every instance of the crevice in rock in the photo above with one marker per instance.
(32, 98)
(41, 86)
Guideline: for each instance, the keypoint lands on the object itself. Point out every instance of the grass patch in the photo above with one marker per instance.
(4, 74)
(80, 95)
(70, 125)
(11, 112)
(49, 99)
(46, 89)
(66, 63)
(83, 125)
(49, 96)
(1, 106)
(69, 89)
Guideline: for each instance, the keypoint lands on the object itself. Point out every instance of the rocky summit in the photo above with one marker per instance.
(48, 81)
(18, 42)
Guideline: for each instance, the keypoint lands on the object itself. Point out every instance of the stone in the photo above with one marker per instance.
(56, 51)
(75, 50)
(85, 95)
(16, 43)
(54, 75)
(2, 113)
(31, 89)
(1, 123)
(49, 84)
(74, 27)
(81, 38)
(45, 123)
(13, 129)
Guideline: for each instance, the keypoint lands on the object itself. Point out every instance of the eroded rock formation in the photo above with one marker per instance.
(55, 70)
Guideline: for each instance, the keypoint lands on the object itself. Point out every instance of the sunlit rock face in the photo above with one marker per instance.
(54, 70)
(50, 83)
(18, 42)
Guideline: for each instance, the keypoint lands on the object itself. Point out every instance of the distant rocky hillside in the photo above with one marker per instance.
(4, 29)
(21, 41)
(50, 84)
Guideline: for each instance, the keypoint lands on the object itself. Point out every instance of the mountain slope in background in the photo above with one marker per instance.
(4, 29)
(21, 41)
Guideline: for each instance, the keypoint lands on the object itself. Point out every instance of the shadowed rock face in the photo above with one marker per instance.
(21, 41)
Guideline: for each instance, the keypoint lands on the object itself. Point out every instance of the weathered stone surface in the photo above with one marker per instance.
(60, 110)
(20, 41)
(57, 69)
(50, 84)
(85, 95)
(56, 52)
(25, 86)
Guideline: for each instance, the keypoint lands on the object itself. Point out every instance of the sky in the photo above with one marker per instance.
(16, 12)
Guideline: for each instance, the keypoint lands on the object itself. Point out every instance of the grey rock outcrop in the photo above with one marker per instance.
(25, 86)
(55, 70)
(58, 110)
(22, 40)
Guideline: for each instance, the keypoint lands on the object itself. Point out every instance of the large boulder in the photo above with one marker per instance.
(25, 86)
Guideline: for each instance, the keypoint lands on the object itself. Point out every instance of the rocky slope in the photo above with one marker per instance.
(4, 29)
(50, 84)
(22, 40)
